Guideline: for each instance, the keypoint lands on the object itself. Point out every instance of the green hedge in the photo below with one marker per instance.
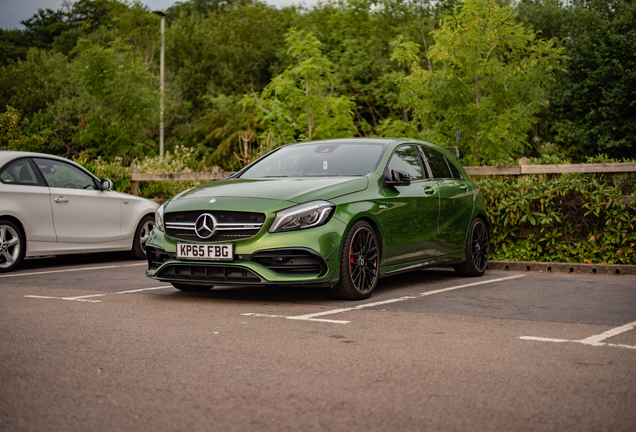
(574, 217)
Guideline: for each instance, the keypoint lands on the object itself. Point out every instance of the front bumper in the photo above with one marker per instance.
(301, 258)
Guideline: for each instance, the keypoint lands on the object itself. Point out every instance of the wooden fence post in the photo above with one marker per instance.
(135, 183)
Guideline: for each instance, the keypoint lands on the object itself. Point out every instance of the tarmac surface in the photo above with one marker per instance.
(89, 343)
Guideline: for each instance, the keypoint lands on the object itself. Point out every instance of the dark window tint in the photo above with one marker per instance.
(407, 159)
(63, 175)
(19, 172)
(438, 165)
(454, 170)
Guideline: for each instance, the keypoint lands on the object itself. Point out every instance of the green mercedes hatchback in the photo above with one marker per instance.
(337, 214)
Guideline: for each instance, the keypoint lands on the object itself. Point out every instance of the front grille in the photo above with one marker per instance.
(291, 261)
(207, 273)
(231, 225)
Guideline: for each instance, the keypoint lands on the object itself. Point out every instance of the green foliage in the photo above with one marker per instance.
(357, 34)
(487, 81)
(30, 85)
(181, 160)
(11, 137)
(584, 218)
(300, 104)
(109, 108)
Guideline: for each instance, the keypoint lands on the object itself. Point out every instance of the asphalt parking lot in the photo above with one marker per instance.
(89, 343)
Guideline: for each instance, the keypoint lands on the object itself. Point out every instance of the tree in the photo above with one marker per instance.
(110, 107)
(300, 104)
(595, 107)
(11, 136)
(487, 79)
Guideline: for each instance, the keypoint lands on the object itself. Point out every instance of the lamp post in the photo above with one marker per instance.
(162, 14)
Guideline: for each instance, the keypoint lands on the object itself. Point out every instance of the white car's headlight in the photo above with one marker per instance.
(159, 217)
(302, 216)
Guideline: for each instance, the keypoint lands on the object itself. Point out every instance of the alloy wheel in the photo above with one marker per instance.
(10, 246)
(480, 246)
(363, 260)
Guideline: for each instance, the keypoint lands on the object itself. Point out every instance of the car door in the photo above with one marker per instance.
(412, 211)
(81, 212)
(455, 202)
(24, 195)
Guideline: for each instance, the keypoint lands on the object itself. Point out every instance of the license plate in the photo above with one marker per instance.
(205, 252)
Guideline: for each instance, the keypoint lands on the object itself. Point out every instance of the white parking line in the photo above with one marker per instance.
(592, 340)
(312, 316)
(85, 297)
(73, 270)
(80, 298)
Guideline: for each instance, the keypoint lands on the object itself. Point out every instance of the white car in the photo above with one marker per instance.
(52, 206)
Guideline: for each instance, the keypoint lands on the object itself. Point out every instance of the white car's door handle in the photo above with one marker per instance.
(60, 199)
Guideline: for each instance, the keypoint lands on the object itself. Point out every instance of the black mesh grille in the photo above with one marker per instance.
(207, 273)
(221, 216)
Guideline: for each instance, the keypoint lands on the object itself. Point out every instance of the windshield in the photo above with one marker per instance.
(318, 160)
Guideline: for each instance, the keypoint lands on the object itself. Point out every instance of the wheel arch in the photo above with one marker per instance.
(18, 222)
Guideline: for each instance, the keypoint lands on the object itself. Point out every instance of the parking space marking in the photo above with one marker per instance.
(86, 297)
(592, 340)
(313, 316)
(79, 298)
(72, 270)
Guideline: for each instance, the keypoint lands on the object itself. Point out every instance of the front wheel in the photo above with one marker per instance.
(142, 235)
(191, 288)
(12, 246)
(477, 250)
(359, 263)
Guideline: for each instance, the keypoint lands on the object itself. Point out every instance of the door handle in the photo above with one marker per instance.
(463, 187)
(60, 199)
(429, 190)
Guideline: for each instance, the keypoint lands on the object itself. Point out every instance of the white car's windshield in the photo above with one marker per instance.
(319, 160)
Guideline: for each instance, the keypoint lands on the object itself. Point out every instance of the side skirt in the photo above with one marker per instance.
(419, 265)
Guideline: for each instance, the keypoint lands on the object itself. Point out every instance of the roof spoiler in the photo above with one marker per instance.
(454, 150)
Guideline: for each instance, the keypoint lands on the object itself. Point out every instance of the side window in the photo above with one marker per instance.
(19, 172)
(63, 175)
(438, 165)
(454, 170)
(407, 159)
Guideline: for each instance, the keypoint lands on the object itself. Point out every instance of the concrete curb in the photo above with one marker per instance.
(547, 267)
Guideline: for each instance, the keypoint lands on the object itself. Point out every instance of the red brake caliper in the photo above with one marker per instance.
(351, 258)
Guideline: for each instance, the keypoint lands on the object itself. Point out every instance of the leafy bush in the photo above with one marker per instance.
(574, 217)
(182, 160)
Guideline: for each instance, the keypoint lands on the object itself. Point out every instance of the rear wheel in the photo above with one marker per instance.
(191, 288)
(12, 246)
(477, 250)
(142, 234)
(359, 263)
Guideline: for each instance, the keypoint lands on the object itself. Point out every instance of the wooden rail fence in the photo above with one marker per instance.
(521, 169)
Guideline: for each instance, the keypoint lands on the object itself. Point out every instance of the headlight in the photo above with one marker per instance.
(159, 217)
(302, 216)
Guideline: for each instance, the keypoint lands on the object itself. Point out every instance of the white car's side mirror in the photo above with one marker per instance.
(106, 184)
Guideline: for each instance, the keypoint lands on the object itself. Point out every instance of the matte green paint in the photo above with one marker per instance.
(423, 223)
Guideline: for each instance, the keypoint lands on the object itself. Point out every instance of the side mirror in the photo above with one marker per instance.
(399, 178)
(106, 184)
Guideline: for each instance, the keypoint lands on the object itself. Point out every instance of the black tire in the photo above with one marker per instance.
(12, 246)
(359, 263)
(191, 288)
(142, 234)
(477, 250)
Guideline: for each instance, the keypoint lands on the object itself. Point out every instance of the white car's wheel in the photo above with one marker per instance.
(12, 245)
(142, 235)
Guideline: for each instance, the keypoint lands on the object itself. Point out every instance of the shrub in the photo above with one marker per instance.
(574, 217)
